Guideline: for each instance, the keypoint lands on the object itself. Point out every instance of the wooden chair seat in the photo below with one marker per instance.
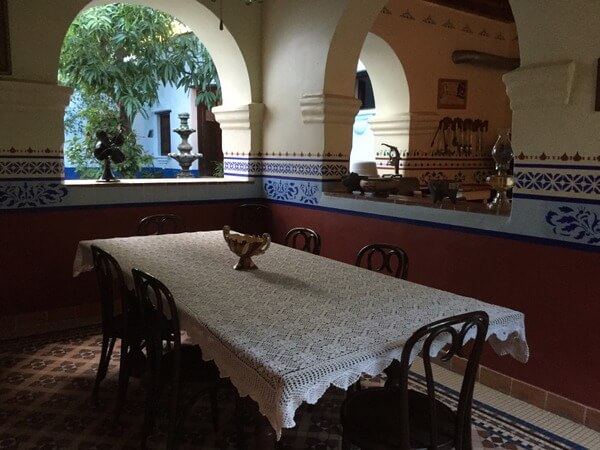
(396, 417)
(177, 366)
(390, 260)
(126, 325)
(192, 370)
(368, 382)
(120, 320)
(372, 417)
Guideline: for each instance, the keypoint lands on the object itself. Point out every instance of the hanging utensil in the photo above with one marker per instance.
(476, 126)
(468, 128)
(447, 125)
(436, 134)
(484, 125)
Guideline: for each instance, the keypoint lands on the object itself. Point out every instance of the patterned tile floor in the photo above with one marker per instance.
(45, 403)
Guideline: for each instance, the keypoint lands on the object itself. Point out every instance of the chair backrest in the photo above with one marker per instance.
(161, 224)
(455, 332)
(252, 218)
(384, 258)
(160, 320)
(113, 290)
(304, 239)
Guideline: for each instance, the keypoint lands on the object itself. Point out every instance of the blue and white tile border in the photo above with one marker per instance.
(574, 181)
(31, 164)
(556, 200)
(31, 178)
(295, 168)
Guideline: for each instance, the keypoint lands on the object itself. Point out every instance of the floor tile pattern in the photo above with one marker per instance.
(45, 403)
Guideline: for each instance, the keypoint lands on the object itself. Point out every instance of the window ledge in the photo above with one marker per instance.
(160, 181)
(446, 204)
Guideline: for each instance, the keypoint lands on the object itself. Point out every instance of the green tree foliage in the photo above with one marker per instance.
(83, 118)
(116, 57)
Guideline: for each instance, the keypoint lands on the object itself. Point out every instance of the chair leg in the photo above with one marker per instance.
(239, 423)
(123, 377)
(346, 444)
(106, 352)
(214, 408)
(174, 421)
(151, 408)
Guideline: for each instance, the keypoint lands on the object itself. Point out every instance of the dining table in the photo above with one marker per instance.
(298, 324)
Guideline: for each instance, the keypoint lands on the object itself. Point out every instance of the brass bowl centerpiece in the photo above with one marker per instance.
(245, 246)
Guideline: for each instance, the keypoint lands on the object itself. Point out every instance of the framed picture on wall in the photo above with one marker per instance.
(4, 39)
(452, 94)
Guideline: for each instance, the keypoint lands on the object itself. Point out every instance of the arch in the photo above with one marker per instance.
(352, 40)
(388, 78)
(346, 44)
(391, 121)
(222, 46)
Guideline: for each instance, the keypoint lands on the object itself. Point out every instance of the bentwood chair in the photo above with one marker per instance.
(123, 324)
(161, 224)
(252, 218)
(178, 366)
(399, 417)
(388, 259)
(384, 258)
(304, 239)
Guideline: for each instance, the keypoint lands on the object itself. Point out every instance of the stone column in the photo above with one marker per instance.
(242, 137)
(31, 144)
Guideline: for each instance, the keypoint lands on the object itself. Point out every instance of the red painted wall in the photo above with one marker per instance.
(38, 248)
(556, 288)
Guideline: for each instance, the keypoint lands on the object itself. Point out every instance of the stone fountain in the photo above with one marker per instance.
(185, 157)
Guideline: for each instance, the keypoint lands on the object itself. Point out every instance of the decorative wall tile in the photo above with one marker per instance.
(543, 158)
(31, 194)
(292, 191)
(565, 176)
(291, 168)
(407, 15)
(429, 20)
(23, 168)
(569, 176)
(30, 163)
(580, 224)
(281, 189)
(441, 175)
(559, 182)
(470, 170)
(448, 24)
(31, 152)
(309, 193)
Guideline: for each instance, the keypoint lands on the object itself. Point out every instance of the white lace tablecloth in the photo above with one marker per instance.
(285, 332)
